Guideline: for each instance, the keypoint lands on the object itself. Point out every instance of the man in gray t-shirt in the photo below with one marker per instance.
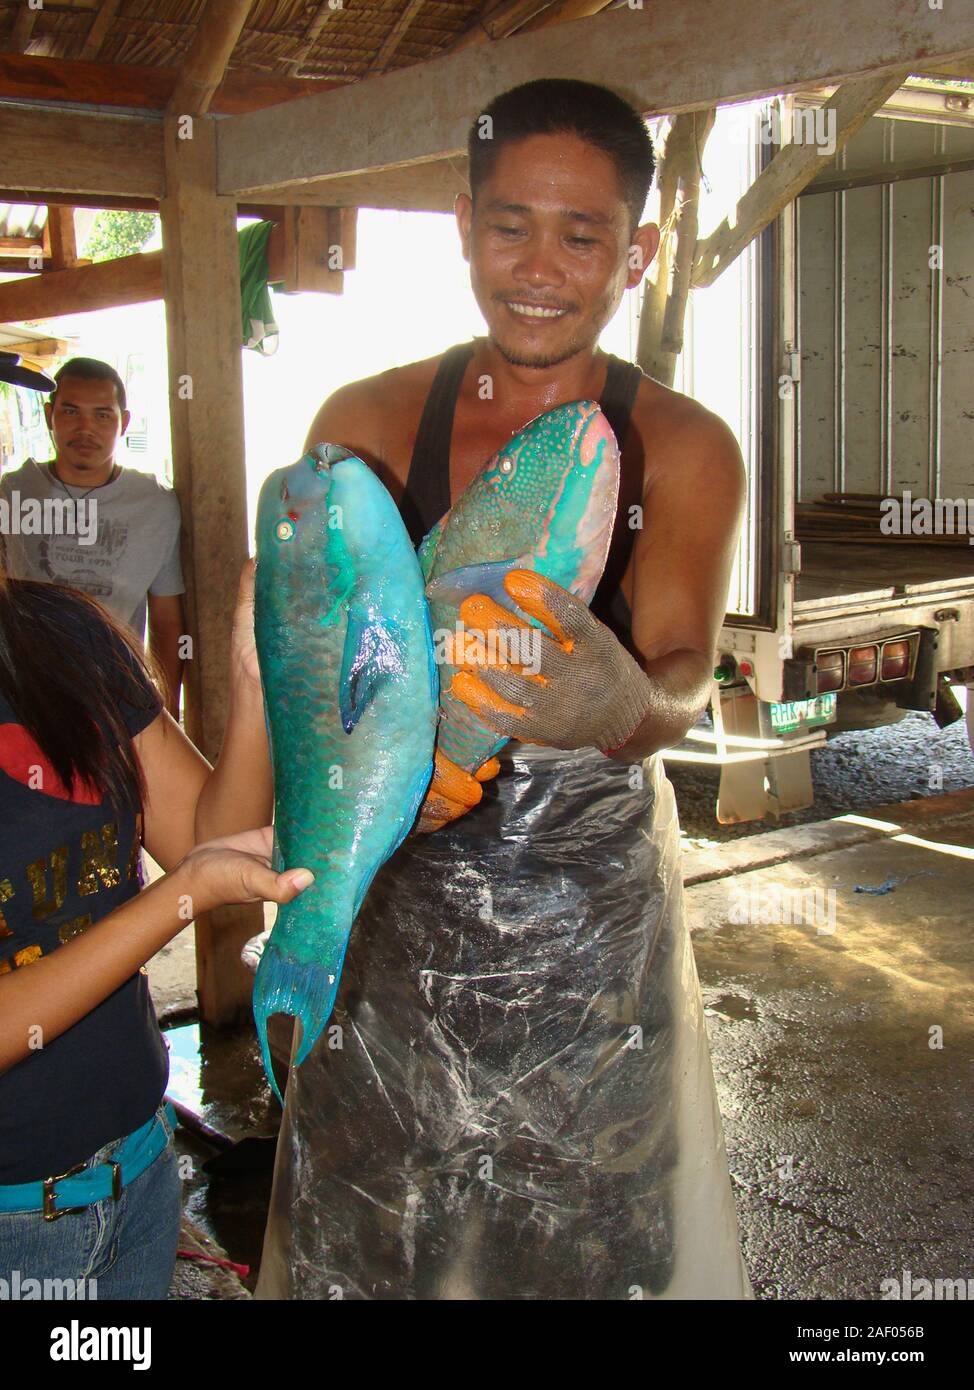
(83, 519)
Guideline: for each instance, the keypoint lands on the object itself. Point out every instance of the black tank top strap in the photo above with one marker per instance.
(618, 397)
(427, 492)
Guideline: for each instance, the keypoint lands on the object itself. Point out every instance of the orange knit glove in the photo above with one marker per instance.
(452, 792)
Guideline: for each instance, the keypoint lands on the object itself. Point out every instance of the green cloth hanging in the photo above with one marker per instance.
(260, 332)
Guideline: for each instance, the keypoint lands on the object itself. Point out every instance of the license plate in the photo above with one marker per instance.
(803, 714)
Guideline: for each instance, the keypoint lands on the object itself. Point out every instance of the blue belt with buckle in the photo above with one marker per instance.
(82, 1186)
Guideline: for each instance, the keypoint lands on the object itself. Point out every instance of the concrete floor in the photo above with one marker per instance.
(842, 1035)
(844, 1058)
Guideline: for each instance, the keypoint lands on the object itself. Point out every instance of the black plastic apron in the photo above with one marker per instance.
(522, 1103)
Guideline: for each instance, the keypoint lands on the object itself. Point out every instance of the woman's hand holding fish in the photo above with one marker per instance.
(237, 869)
(578, 689)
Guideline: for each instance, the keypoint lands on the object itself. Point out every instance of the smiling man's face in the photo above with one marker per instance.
(548, 246)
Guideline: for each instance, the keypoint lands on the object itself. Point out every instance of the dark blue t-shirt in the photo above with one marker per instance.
(66, 861)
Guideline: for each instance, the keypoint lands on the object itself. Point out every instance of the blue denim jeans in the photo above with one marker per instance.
(123, 1249)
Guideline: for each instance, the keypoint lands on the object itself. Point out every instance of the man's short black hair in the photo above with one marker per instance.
(557, 106)
(91, 369)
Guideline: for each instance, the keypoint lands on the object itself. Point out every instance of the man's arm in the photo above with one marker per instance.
(692, 510)
(167, 624)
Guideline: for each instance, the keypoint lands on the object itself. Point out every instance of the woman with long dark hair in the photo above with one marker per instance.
(91, 768)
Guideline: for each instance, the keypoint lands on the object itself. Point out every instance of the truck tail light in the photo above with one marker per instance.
(830, 673)
(896, 660)
(863, 665)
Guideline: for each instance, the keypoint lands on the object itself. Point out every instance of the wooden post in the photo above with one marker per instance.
(60, 229)
(201, 281)
(664, 304)
(309, 235)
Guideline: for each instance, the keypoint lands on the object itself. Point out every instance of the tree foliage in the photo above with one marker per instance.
(116, 233)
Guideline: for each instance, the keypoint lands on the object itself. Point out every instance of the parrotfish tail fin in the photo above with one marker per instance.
(305, 991)
(461, 735)
(456, 585)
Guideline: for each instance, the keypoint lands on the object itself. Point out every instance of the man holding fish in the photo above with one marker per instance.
(520, 1103)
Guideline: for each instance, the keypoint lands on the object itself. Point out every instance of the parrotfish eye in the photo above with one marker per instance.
(284, 530)
(507, 465)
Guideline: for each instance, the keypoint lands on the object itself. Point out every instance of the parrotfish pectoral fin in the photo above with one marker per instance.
(372, 652)
(456, 585)
(305, 991)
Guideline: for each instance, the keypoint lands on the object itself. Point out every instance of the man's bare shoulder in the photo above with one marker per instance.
(679, 433)
(374, 414)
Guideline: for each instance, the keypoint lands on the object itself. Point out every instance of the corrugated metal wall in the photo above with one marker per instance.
(887, 339)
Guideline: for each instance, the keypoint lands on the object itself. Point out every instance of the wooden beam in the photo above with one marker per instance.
(203, 67)
(319, 19)
(669, 58)
(792, 168)
(99, 28)
(81, 153)
(959, 68)
(37, 348)
(23, 28)
(309, 234)
(498, 21)
(396, 34)
(48, 198)
(430, 187)
(18, 245)
(138, 279)
(348, 235)
(128, 280)
(33, 78)
(202, 292)
(15, 265)
(64, 245)
(563, 12)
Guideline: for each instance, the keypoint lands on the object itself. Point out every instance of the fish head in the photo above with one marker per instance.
(551, 493)
(327, 526)
(293, 511)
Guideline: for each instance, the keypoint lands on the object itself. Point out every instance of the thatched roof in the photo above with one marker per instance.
(289, 38)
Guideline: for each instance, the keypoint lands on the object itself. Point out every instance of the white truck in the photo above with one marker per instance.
(857, 385)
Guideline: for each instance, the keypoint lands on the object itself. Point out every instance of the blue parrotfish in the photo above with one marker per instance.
(350, 692)
(546, 502)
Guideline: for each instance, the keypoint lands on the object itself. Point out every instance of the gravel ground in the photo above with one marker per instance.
(854, 771)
